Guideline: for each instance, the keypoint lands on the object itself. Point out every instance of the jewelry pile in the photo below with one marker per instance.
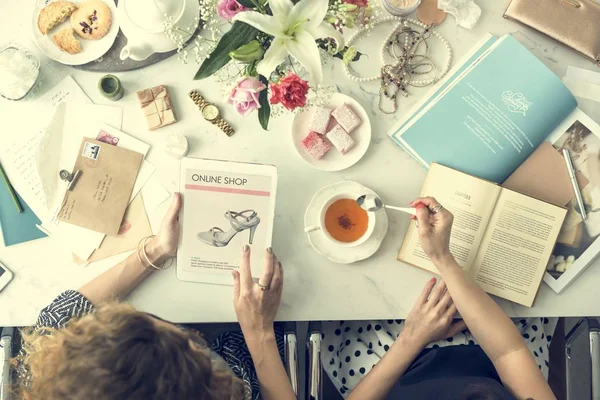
(409, 49)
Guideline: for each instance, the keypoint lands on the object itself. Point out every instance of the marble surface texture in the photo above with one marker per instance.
(315, 288)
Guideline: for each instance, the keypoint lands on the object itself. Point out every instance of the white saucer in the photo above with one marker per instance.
(334, 160)
(335, 253)
(90, 49)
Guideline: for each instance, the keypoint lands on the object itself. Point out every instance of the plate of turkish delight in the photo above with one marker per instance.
(332, 137)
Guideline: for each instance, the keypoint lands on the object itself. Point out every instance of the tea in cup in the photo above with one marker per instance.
(344, 222)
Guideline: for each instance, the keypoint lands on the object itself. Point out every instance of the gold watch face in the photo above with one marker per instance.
(210, 112)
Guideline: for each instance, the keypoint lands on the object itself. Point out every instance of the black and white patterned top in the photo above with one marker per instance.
(230, 346)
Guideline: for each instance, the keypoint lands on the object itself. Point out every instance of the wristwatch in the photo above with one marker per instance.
(211, 113)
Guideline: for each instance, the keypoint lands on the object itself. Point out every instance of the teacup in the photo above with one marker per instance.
(343, 222)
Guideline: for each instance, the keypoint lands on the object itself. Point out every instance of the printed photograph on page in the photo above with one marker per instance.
(577, 235)
(222, 212)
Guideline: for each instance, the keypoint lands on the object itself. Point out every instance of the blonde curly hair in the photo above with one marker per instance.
(119, 353)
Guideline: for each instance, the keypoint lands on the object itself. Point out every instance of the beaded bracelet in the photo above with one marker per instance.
(142, 249)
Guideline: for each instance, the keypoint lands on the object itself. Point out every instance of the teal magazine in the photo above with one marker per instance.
(489, 114)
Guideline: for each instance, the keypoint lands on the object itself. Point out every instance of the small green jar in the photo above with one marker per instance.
(110, 87)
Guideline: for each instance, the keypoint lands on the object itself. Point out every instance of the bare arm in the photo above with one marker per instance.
(382, 378)
(430, 320)
(488, 323)
(274, 382)
(256, 310)
(121, 279)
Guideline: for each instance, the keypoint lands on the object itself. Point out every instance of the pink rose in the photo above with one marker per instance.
(229, 8)
(359, 3)
(290, 92)
(245, 95)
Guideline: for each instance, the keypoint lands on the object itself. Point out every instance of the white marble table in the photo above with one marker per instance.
(315, 289)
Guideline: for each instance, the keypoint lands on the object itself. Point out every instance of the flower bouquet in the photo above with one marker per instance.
(277, 42)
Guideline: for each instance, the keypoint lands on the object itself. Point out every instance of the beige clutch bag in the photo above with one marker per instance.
(575, 23)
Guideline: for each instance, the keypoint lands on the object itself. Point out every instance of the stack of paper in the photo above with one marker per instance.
(33, 165)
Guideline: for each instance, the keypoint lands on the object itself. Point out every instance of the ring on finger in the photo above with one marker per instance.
(263, 287)
(437, 209)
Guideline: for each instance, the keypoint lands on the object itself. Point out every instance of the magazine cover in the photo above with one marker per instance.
(578, 243)
(225, 206)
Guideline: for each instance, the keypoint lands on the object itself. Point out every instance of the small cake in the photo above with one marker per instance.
(346, 118)
(340, 139)
(316, 145)
(319, 120)
(92, 20)
(156, 106)
(54, 14)
(66, 41)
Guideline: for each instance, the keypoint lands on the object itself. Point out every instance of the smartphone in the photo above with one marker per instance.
(5, 276)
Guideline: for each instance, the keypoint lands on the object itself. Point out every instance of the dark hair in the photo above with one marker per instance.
(119, 353)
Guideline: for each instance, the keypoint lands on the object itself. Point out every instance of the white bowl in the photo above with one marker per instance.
(334, 160)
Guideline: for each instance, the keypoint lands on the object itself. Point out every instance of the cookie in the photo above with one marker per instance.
(53, 14)
(91, 20)
(66, 41)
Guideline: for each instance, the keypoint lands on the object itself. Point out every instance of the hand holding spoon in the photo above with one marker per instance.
(372, 203)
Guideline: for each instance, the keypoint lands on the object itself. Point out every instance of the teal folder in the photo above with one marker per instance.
(17, 227)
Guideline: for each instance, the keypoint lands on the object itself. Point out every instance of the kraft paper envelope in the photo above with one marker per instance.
(100, 197)
(134, 227)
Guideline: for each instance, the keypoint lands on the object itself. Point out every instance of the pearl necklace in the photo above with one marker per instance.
(416, 82)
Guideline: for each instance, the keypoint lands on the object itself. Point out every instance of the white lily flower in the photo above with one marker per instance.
(295, 27)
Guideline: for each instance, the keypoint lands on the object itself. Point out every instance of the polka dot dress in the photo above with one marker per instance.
(351, 349)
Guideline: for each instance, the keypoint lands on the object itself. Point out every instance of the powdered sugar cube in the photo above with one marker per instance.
(346, 118)
(340, 139)
(319, 120)
(316, 145)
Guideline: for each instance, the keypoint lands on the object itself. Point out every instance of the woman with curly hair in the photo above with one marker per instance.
(87, 346)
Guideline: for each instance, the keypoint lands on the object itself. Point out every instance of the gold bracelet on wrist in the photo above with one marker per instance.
(142, 250)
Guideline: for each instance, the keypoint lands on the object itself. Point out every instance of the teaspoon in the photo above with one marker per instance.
(372, 203)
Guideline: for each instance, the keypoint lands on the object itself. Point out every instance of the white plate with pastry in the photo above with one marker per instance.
(333, 137)
(75, 32)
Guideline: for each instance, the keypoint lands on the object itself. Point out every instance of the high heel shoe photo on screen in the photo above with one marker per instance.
(240, 221)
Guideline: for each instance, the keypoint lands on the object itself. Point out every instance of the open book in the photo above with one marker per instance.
(501, 238)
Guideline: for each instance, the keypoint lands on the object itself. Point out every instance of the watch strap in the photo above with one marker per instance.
(198, 99)
(224, 126)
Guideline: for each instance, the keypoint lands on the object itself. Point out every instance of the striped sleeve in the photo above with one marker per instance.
(69, 304)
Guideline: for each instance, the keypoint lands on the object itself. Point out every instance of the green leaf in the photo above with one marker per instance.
(340, 55)
(239, 34)
(264, 112)
(247, 3)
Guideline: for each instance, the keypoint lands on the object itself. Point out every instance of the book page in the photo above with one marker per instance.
(463, 65)
(470, 200)
(516, 247)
